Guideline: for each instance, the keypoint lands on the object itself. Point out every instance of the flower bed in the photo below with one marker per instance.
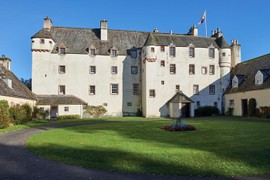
(179, 126)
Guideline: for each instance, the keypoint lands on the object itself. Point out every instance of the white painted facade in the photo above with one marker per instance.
(77, 78)
(235, 100)
(20, 101)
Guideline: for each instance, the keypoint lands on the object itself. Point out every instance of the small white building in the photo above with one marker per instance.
(250, 79)
(60, 105)
(11, 88)
(129, 72)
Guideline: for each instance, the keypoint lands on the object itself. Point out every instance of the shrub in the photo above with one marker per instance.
(20, 113)
(264, 111)
(40, 113)
(4, 114)
(230, 111)
(207, 111)
(73, 116)
(96, 111)
(252, 107)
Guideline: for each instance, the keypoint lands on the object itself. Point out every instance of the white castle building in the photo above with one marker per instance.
(158, 74)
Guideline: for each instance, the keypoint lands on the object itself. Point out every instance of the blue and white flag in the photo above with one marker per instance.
(202, 18)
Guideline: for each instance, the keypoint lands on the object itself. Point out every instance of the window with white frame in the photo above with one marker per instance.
(162, 63)
(92, 69)
(172, 69)
(114, 53)
(172, 51)
(66, 109)
(62, 89)
(177, 88)
(62, 51)
(191, 69)
(231, 102)
(211, 69)
(62, 69)
(134, 69)
(212, 52)
(114, 69)
(152, 93)
(191, 52)
(135, 89)
(162, 48)
(92, 52)
(92, 89)
(204, 70)
(212, 89)
(195, 89)
(114, 89)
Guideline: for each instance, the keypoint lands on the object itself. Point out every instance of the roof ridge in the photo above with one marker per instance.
(256, 58)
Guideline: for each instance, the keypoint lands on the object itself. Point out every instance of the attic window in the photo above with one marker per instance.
(191, 52)
(259, 77)
(114, 53)
(172, 51)
(133, 54)
(62, 51)
(92, 52)
(211, 52)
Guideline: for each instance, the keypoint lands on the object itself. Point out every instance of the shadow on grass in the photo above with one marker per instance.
(236, 142)
(115, 160)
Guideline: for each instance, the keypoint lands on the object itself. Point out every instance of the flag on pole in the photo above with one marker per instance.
(203, 18)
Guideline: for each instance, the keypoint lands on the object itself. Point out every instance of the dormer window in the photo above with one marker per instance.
(114, 53)
(133, 54)
(42, 41)
(261, 76)
(237, 80)
(191, 50)
(62, 51)
(92, 52)
(172, 51)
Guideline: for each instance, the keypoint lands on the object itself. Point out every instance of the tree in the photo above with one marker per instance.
(27, 83)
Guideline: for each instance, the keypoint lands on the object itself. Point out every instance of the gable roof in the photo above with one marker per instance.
(179, 97)
(18, 90)
(249, 69)
(59, 99)
(78, 40)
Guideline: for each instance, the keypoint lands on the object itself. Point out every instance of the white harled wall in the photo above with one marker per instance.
(153, 74)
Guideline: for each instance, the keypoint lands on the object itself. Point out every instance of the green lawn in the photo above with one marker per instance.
(219, 148)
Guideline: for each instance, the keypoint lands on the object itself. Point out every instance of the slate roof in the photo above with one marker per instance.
(180, 97)
(183, 40)
(18, 90)
(78, 40)
(59, 99)
(248, 69)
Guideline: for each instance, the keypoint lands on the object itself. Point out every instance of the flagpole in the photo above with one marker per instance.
(205, 24)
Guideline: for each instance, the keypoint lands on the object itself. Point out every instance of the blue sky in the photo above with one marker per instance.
(246, 21)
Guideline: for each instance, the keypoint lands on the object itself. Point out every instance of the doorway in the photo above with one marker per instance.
(244, 107)
(185, 110)
(54, 112)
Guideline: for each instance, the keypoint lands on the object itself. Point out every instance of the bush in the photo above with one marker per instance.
(20, 113)
(73, 116)
(40, 113)
(252, 107)
(264, 112)
(4, 114)
(207, 111)
(230, 111)
(96, 111)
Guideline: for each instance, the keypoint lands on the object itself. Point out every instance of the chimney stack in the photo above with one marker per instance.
(103, 30)
(4, 61)
(193, 31)
(47, 23)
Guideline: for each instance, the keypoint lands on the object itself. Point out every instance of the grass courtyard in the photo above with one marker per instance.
(217, 148)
